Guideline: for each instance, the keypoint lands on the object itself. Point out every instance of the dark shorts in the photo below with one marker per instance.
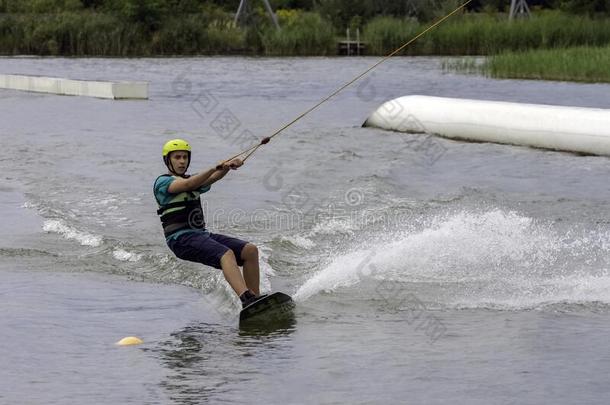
(206, 248)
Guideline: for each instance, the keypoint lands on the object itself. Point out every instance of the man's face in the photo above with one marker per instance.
(179, 161)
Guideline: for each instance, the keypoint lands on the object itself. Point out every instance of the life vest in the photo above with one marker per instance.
(183, 211)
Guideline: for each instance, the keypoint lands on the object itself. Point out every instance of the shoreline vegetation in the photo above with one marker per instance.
(577, 64)
(582, 64)
(562, 40)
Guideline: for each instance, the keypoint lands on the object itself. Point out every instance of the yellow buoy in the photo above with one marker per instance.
(130, 340)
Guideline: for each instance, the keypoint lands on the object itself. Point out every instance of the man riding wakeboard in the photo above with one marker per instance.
(178, 198)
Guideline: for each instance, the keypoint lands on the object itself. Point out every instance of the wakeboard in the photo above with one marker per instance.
(276, 307)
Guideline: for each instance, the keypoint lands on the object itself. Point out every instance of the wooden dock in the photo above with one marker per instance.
(351, 48)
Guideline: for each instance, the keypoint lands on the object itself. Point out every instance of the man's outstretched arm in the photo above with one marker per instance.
(219, 174)
(194, 182)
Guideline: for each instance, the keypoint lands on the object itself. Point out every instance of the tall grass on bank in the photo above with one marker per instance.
(68, 34)
(301, 34)
(482, 34)
(582, 64)
(385, 34)
(90, 33)
(186, 35)
(98, 34)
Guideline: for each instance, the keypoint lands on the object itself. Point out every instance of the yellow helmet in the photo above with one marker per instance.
(173, 146)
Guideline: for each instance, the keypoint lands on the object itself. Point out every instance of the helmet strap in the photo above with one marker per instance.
(189, 163)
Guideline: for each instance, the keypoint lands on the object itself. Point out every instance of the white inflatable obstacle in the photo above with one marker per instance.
(573, 129)
(88, 88)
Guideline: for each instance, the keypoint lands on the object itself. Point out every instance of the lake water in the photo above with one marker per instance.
(425, 270)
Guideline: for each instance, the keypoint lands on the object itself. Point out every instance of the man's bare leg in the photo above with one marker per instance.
(249, 255)
(232, 273)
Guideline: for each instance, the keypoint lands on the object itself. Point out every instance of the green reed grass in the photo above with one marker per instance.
(482, 34)
(582, 64)
(88, 33)
(305, 34)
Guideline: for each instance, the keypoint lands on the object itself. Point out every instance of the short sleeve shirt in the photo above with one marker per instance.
(163, 197)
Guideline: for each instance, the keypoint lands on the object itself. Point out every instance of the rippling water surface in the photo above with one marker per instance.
(425, 270)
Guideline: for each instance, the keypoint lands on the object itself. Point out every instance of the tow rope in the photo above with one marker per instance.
(248, 152)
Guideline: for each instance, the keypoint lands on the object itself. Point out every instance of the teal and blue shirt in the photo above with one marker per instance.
(164, 197)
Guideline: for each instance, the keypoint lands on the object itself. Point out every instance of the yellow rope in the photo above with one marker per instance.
(253, 149)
